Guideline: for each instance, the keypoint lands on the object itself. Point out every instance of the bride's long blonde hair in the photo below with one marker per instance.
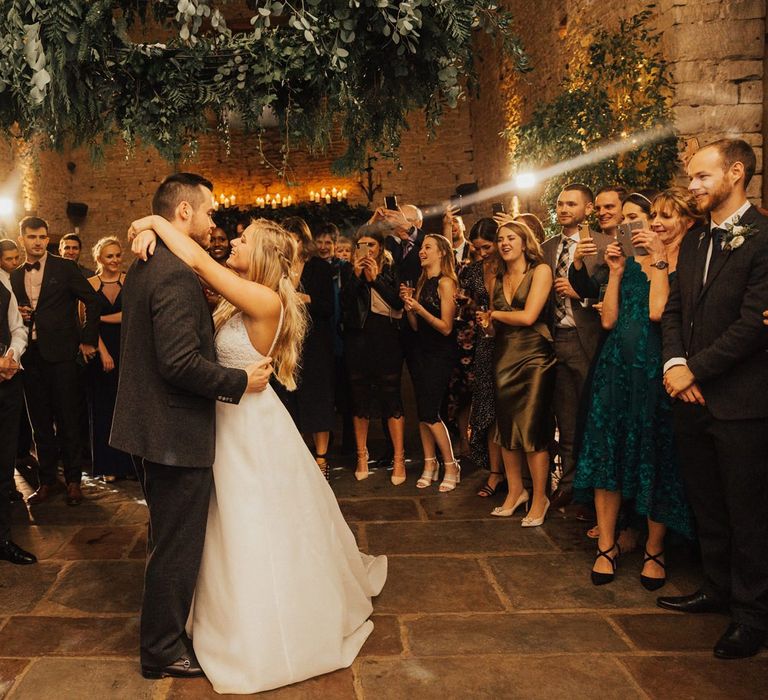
(273, 252)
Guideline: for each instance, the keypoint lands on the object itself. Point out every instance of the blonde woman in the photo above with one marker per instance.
(108, 281)
(431, 312)
(283, 593)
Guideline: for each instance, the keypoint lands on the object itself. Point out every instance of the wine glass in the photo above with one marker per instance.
(486, 326)
(408, 288)
(462, 299)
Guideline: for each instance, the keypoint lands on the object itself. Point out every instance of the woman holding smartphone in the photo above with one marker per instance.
(431, 313)
(371, 312)
(628, 451)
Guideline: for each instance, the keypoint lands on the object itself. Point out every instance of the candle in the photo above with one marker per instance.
(344, 193)
(334, 192)
(232, 200)
(278, 198)
(327, 199)
(339, 197)
(274, 204)
(260, 202)
(311, 195)
(322, 192)
(221, 198)
(215, 203)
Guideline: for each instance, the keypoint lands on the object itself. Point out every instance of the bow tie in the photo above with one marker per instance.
(32, 266)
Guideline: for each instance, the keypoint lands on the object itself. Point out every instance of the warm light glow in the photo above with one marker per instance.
(7, 208)
(525, 181)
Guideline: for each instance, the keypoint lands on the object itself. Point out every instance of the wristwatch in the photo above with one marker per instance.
(660, 264)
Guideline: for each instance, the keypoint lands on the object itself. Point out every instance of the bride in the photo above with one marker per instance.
(283, 593)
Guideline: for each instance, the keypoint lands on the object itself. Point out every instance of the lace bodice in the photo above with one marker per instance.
(233, 346)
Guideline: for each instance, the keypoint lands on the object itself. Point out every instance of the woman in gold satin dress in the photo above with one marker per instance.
(524, 363)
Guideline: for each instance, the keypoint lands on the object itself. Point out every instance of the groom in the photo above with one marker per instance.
(164, 417)
(716, 365)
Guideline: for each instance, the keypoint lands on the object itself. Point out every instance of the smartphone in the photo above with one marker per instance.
(584, 231)
(624, 238)
(390, 202)
(456, 204)
(601, 293)
(498, 208)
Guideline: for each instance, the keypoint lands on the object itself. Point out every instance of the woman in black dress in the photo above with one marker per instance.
(312, 404)
(108, 462)
(476, 280)
(372, 313)
(431, 313)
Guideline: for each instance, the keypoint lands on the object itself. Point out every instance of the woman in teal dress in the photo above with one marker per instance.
(628, 450)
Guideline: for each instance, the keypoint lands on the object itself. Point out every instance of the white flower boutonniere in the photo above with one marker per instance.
(736, 234)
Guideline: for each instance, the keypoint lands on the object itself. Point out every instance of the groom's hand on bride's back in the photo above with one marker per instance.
(258, 375)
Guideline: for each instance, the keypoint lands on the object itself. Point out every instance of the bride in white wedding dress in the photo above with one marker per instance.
(283, 593)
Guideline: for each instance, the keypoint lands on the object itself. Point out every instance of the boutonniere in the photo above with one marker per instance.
(736, 234)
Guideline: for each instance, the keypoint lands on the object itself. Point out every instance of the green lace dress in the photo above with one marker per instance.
(628, 443)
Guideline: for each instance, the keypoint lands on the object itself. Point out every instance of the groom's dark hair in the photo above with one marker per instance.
(736, 151)
(177, 188)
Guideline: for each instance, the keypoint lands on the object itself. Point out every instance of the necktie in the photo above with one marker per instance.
(718, 235)
(561, 270)
(32, 266)
(407, 245)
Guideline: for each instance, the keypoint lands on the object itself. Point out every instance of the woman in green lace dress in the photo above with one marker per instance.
(628, 451)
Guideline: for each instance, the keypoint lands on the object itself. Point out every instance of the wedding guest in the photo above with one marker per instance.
(219, 249)
(454, 230)
(9, 256)
(628, 451)
(608, 208)
(405, 238)
(372, 313)
(70, 247)
(524, 366)
(575, 327)
(344, 248)
(13, 343)
(103, 371)
(431, 313)
(48, 288)
(311, 405)
(533, 222)
(325, 241)
(716, 367)
(477, 280)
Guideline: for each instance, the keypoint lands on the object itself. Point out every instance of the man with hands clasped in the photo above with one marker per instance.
(716, 365)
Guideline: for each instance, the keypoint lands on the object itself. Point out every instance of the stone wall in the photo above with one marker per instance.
(715, 49)
(119, 188)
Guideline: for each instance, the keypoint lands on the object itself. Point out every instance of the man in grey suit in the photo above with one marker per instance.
(165, 418)
(575, 325)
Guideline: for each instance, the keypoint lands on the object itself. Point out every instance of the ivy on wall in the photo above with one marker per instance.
(620, 88)
(73, 70)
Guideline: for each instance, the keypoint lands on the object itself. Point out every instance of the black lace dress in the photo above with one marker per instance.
(435, 356)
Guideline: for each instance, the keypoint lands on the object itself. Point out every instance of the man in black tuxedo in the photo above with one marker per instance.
(70, 247)
(575, 325)
(13, 343)
(48, 288)
(716, 366)
(165, 418)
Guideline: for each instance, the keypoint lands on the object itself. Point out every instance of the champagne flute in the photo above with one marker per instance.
(408, 288)
(486, 326)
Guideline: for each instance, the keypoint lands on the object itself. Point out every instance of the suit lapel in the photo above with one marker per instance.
(47, 272)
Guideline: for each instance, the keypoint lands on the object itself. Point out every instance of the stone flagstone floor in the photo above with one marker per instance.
(475, 607)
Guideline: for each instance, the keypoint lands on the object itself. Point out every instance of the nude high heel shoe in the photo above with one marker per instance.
(361, 470)
(398, 461)
(528, 521)
(524, 498)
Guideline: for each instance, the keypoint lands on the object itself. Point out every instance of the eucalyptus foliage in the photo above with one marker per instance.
(73, 70)
(621, 88)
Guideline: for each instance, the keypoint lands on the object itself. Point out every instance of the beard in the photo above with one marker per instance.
(714, 198)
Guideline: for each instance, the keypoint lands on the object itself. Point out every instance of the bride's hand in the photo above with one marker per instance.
(145, 223)
(144, 243)
(258, 375)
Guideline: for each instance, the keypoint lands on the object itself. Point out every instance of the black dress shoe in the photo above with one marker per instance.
(185, 666)
(560, 498)
(739, 642)
(699, 602)
(11, 552)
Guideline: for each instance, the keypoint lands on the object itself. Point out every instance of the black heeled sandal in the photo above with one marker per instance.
(599, 578)
(650, 583)
(325, 468)
(487, 490)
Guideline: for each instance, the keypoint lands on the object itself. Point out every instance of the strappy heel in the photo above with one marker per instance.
(450, 481)
(651, 583)
(487, 490)
(361, 470)
(398, 461)
(325, 468)
(599, 578)
(428, 475)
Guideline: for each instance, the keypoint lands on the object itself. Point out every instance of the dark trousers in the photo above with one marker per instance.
(570, 377)
(51, 390)
(11, 401)
(725, 470)
(177, 498)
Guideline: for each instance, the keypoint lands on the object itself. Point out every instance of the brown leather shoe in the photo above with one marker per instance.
(560, 498)
(74, 495)
(40, 496)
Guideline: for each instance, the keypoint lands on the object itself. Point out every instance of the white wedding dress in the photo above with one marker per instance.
(283, 593)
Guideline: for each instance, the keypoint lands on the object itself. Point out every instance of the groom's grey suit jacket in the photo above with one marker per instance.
(169, 380)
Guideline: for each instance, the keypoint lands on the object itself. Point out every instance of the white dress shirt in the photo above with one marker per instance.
(15, 321)
(675, 361)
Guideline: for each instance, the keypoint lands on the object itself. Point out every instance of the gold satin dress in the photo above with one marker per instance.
(524, 364)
